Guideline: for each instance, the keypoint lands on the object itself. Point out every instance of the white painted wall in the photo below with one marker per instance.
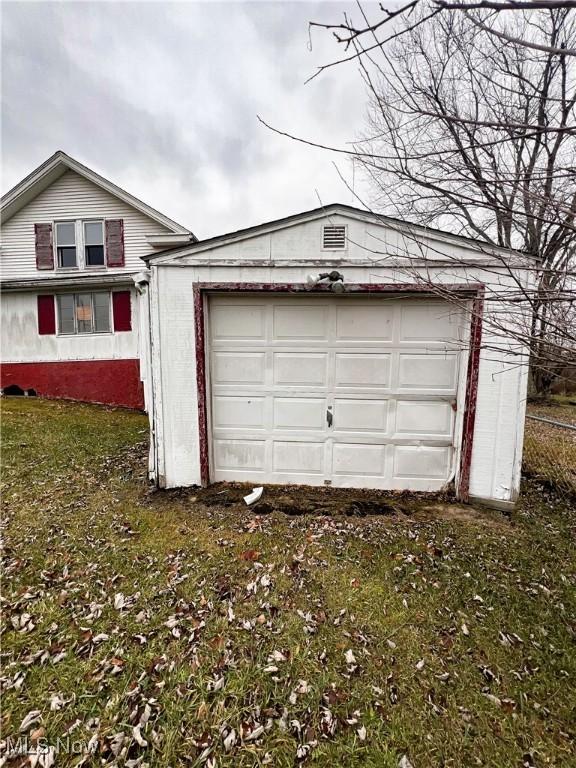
(174, 378)
(369, 243)
(71, 197)
(20, 341)
(503, 378)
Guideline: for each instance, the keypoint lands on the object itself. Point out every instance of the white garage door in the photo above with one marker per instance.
(333, 390)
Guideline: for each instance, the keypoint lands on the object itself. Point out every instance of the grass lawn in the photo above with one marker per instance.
(549, 450)
(558, 408)
(153, 629)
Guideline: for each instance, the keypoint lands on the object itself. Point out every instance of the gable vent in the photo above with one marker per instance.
(334, 237)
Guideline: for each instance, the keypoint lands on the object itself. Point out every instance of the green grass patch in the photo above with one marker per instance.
(158, 630)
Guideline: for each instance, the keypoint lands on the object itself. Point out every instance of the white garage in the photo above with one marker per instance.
(336, 348)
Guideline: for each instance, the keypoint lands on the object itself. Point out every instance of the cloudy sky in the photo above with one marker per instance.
(163, 99)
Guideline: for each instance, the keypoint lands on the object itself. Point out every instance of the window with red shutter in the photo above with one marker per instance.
(65, 237)
(46, 316)
(115, 242)
(122, 311)
(44, 249)
(82, 313)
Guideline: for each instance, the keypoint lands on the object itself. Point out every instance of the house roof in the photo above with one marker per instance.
(324, 211)
(51, 170)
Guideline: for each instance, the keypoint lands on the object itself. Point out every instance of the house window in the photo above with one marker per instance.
(334, 237)
(66, 244)
(94, 243)
(83, 313)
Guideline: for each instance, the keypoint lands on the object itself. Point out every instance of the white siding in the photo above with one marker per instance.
(366, 241)
(71, 197)
(174, 350)
(501, 393)
(21, 342)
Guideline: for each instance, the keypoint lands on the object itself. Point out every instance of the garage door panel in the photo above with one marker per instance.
(423, 462)
(299, 413)
(364, 322)
(428, 372)
(358, 459)
(300, 369)
(298, 457)
(245, 455)
(362, 371)
(297, 322)
(238, 322)
(229, 412)
(359, 415)
(238, 367)
(429, 321)
(424, 418)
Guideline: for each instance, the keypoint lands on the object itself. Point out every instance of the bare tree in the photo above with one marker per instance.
(349, 33)
(471, 128)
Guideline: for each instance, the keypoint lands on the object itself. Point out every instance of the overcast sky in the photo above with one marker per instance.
(163, 98)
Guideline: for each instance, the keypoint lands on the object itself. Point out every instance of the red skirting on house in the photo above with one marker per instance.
(110, 382)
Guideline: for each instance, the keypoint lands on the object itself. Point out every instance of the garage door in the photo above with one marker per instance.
(333, 390)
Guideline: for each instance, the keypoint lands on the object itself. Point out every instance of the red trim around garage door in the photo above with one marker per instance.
(469, 419)
(462, 291)
(110, 382)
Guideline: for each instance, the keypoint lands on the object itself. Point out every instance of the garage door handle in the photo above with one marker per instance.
(329, 418)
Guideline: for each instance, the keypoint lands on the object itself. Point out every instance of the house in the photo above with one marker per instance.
(337, 347)
(71, 320)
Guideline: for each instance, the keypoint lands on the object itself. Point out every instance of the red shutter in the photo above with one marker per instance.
(115, 242)
(122, 311)
(44, 250)
(46, 316)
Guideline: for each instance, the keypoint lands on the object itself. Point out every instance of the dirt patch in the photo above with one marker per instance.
(499, 521)
(305, 500)
(299, 500)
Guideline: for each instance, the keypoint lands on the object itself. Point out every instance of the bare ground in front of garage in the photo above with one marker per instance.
(321, 627)
(293, 501)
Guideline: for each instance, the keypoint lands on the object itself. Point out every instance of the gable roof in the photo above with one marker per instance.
(51, 170)
(324, 211)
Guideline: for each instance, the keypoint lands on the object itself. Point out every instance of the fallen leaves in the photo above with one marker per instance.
(215, 685)
(136, 733)
(251, 555)
(31, 718)
(216, 638)
(277, 656)
(350, 658)
(510, 639)
(22, 623)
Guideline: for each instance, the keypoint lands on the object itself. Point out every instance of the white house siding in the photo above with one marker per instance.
(502, 378)
(71, 197)
(21, 342)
